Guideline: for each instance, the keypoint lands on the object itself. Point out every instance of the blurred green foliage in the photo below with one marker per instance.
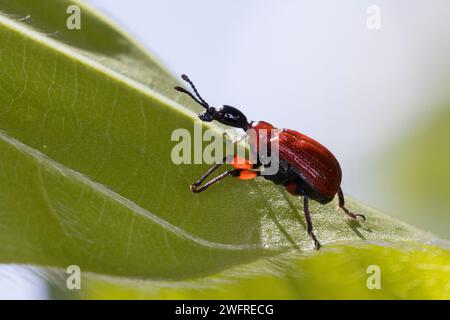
(337, 273)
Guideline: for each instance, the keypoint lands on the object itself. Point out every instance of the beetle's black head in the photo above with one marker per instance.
(227, 115)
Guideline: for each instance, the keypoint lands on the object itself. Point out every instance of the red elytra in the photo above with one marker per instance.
(318, 169)
(306, 167)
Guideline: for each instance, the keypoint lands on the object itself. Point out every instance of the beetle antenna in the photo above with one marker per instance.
(183, 90)
(203, 102)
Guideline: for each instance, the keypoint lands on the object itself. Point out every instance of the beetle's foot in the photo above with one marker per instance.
(356, 216)
(317, 244)
(194, 188)
(353, 215)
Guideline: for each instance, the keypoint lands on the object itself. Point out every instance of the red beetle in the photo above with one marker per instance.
(306, 168)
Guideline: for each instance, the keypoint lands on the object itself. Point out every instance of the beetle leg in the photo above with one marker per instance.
(196, 184)
(243, 171)
(197, 187)
(242, 174)
(342, 206)
(309, 223)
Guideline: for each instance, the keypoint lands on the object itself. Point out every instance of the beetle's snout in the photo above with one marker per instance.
(207, 115)
(204, 116)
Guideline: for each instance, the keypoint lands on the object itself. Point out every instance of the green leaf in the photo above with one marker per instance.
(86, 176)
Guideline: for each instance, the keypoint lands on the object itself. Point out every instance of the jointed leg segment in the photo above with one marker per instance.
(197, 186)
(309, 223)
(342, 206)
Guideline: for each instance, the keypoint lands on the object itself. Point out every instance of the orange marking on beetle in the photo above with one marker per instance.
(247, 175)
(241, 163)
